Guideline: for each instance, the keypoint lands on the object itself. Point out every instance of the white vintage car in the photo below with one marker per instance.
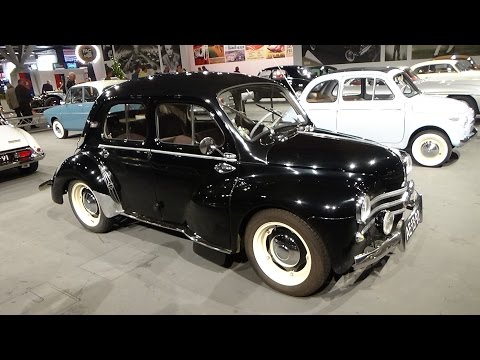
(444, 69)
(384, 105)
(466, 90)
(18, 149)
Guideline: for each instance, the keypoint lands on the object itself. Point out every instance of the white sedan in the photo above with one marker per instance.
(445, 69)
(384, 105)
(18, 149)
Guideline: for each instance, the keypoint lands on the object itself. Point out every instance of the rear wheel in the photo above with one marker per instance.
(52, 101)
(431, 148)
(59, 130)
(86, 208)
(286, 252)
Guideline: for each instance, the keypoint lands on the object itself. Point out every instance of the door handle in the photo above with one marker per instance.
(224, 168)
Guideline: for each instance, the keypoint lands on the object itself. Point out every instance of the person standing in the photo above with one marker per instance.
(396, 52)
(24, 98)
(47, 87)
(136, 72)
(237, 69)
(12, 101)
(71, 80)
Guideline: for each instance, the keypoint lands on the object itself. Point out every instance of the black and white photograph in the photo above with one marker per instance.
(131, 55)
(431, 51)
(171, 58)
(395, 52)
(107, 51)
(339, 54)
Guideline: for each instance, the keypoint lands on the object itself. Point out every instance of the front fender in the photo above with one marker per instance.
(88, 167)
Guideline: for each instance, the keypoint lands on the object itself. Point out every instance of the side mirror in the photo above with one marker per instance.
(247, 95)
(207, 146)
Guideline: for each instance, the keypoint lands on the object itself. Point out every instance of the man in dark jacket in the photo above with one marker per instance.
(47, 87)
(24, 98)
(71, 80)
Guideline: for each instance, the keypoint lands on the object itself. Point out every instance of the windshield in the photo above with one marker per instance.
(464, 65)
(407, 87)
(257, 109)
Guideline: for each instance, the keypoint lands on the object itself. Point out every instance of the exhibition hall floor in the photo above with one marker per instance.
(50, 264)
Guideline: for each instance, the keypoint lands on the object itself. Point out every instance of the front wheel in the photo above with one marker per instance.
(59, 130)
(286, 252)
(86, 208)
(350, 55)
(431, 148)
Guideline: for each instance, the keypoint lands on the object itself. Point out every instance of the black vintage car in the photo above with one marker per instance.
(195, 152)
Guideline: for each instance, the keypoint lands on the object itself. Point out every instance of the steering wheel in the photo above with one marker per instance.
(259, 123)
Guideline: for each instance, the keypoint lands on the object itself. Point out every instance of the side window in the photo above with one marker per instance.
(421, 70)
(186, 124)
(444, 68)
(358, 89)
(324, 92)
(90, 93)
(76, 95)
(126, 122)
(382, 91)
(265, 74)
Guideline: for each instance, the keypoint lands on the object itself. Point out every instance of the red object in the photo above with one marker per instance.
(24, 154)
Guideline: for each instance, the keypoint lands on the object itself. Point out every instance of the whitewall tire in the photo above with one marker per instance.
(431, 148)
(86, 207)
(286, 252)
(59, 130)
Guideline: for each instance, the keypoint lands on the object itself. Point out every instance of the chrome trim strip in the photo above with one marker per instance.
(103, 146)
(385, 206)
(194, 155)
(192, 236)
(386, 195)
(169, 153)
(19, 164)
(107, 177)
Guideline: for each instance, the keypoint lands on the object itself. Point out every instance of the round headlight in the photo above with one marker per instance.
(388, 219)
(363, 208)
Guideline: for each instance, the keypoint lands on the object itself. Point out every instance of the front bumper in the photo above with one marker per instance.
(472, 134)
(400, 236)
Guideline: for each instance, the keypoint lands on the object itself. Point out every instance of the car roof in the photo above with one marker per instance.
(452, 57)
(286, 67)
(194, 84)
(384, 69)
(434, 62)
(100, 84)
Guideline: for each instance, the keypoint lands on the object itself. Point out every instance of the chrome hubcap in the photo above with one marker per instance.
(89, 202)
(430, 149)
(284, 251)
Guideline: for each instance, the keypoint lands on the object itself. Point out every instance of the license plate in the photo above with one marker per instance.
(5, 158)
(412, 222)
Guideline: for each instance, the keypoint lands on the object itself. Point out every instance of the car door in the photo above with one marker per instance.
(125, 151)
(321, 104)
(193, 190)
(80, 103)
(368, 108)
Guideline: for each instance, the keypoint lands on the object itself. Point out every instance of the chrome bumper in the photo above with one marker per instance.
(16, 164)
(472, 134)
(398, 237)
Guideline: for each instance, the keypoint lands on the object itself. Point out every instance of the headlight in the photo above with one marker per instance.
(407, 161)
(363, 209)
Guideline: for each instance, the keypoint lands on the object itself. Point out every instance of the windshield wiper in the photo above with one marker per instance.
(273, 111)
(242, 114)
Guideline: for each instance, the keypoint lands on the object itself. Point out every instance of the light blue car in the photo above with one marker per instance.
(72, 115)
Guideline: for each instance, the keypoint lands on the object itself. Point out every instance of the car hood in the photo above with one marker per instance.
(437, 104)
(323, 150)
(11, 138)
(447, 87)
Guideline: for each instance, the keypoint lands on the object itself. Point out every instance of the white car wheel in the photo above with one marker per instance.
(431, 148)
(59, 130)
(86, 208)
(286, 252)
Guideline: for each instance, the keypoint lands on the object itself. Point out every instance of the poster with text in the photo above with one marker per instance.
(288, 50)
(130, 55)
(234, 53)
(274, 51)
(200, 54)
(395, 52)
(430, 51)
(339, 54)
